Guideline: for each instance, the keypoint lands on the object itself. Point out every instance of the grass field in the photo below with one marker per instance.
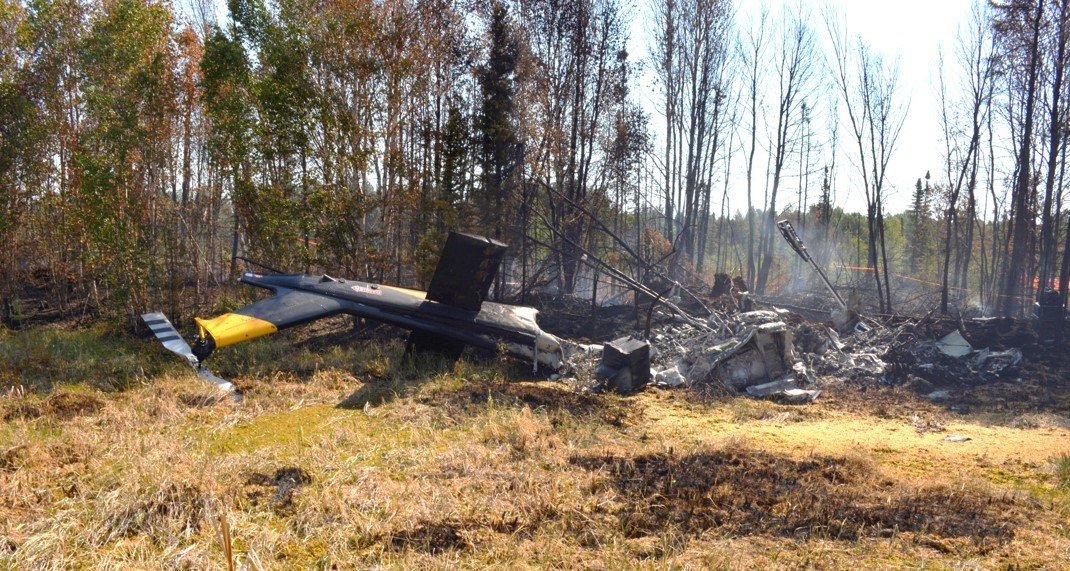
(112, 456)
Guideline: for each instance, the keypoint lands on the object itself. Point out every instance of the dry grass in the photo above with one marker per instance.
(428, 465)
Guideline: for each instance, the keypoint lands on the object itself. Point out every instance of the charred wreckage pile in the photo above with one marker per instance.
(768, 352)
(779, 354)
(789, 355)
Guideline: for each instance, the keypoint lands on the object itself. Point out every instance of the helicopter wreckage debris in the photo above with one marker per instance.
(777, 354)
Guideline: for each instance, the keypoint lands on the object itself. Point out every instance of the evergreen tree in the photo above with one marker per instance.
(824, 204)
(456, 164)
(499, 144)
(919, 216)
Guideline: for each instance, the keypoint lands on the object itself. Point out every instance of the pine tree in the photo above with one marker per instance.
(496, 127)
(919, 216)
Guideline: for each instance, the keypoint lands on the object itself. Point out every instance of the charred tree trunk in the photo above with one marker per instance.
(1020, 241)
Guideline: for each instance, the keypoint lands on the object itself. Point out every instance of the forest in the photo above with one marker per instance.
(148, 148)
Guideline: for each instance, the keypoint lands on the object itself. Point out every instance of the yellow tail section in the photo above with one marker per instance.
(231, 328)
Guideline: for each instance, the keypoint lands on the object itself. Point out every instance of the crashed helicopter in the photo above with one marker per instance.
(451, 314)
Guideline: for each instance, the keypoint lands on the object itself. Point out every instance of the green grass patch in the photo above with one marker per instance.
(279, 354)
(43, 358)
(385, 361)
(1060, 468)
(281, 430)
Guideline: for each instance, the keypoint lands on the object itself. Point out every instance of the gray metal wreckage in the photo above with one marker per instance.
(452, 313)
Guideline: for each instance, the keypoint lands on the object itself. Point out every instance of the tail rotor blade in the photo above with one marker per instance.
(206, 374)
(169, 336)
(172, 340)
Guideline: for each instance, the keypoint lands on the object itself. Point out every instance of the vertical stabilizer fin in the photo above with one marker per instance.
(466, 270)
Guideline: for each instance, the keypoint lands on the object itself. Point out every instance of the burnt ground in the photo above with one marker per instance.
(554, 399)
(749, 492)
(60, 405)
(279, 488)
(742, 492)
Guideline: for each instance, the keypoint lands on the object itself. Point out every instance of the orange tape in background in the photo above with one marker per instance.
(900, 276)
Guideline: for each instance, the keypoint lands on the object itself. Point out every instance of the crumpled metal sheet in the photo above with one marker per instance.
(757, 348)
(954, 345)
(975, 367)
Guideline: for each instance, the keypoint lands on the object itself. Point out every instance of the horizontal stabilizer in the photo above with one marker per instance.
(286, 308)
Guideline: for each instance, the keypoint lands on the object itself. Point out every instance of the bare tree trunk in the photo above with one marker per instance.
(971, 219)
(1048, 236)
(756, 50)
(670, 117)
(1016, 274)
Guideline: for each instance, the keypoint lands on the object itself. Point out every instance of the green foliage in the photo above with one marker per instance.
(1061, 469)
(921, 230)
(251, 19)
(44, 358)
(23, 165)
(457, 163)
(20, 135)
(495, 123)
(273, 223)
(129, 91)
(335, 216)
(226, 78)
(11, 16)
(284, 95)
(430, 245)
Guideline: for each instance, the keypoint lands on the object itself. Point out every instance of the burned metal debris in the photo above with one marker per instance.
(625, 365)
(751, 352)
(1049, 316)
(778, 354)
(952, 359)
